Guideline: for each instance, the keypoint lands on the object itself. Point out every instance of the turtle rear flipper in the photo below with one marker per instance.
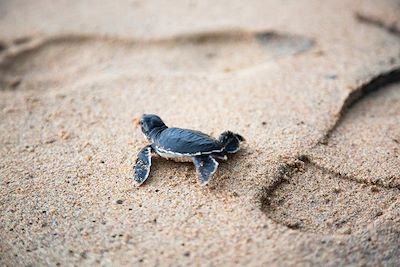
(231, 141)
(142, 165)
(206, 166)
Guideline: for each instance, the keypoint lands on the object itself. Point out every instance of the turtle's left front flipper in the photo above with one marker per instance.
(206, 166)
(142, 165)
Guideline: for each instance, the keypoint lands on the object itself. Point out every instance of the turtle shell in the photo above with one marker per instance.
(186, 142)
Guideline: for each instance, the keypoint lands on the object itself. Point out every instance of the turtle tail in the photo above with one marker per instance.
(231, 141)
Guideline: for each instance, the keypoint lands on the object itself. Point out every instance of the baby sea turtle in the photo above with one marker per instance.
(184, 146)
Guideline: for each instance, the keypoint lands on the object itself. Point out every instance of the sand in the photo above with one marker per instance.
(313, 87)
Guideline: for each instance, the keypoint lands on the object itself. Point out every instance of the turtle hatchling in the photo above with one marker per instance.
(183, 145)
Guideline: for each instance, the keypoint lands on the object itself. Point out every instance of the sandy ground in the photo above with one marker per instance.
(312, 86)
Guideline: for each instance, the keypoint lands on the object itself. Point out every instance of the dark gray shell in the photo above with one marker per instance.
(186, 142)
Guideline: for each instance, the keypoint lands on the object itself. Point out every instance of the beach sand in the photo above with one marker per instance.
(313, 86)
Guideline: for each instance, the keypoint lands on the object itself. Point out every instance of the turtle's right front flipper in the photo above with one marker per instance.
(206, 166)
(142, 165)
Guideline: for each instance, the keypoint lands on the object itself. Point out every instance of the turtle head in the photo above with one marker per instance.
(151, 125)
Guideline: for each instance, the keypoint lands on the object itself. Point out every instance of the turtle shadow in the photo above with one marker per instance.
(163, 169)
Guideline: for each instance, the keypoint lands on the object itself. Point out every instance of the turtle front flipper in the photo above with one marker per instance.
(206, 166)
(142, 165)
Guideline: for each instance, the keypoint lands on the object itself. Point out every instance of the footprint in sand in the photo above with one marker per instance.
(213, 52)
(352, 179)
